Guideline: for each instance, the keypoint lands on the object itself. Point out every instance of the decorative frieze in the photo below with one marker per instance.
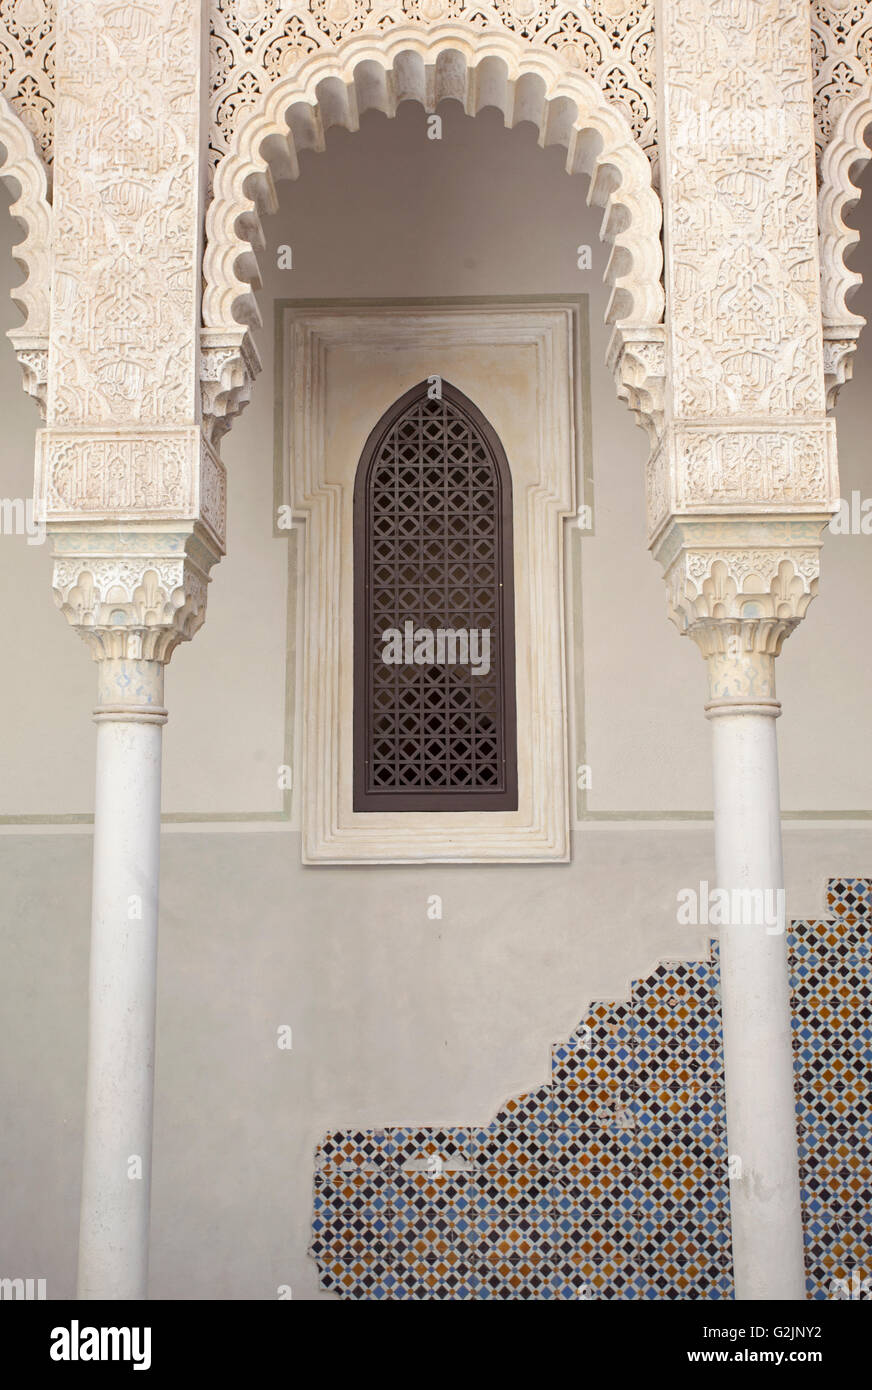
(253, 42)
(124, 474)
(767, 466)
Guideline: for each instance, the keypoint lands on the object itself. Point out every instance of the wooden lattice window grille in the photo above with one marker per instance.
(433, 547)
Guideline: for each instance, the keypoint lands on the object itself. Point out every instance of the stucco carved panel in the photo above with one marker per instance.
(742, 270)
(745, 474)
(127, 189)
(117, 474)
(129, 487)
(774, 467)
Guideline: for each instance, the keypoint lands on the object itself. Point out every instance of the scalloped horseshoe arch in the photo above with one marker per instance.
(24, 173)
(524, 81)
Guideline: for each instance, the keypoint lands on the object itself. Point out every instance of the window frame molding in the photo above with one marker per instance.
(544, 496)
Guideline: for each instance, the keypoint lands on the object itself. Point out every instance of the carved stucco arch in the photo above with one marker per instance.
(377, 72)
(844, 156)
(24, 173)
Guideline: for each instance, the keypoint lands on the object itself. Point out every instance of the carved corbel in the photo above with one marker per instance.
(840, 344)
(637, 359)
(31, 349)
(229, 362)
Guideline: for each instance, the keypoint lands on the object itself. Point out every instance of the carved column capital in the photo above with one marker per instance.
(738, 587)
(133, 595)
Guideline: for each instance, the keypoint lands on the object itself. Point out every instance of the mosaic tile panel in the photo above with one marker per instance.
(831, 982)
(609, 1181)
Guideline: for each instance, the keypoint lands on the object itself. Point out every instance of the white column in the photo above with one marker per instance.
(116, 1178)
(761, 1123)
(134, 497)
(740, 483)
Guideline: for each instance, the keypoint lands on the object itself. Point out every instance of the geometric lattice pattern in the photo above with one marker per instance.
(831, 980)
(610, 1181)
(434, 560)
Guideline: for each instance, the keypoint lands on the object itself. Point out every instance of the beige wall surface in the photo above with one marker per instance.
(395, 1018)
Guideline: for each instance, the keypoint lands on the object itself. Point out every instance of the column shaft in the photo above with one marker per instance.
(761, 1124)
(116, 1180)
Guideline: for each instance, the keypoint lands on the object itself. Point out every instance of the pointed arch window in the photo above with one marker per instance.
(434, 642)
